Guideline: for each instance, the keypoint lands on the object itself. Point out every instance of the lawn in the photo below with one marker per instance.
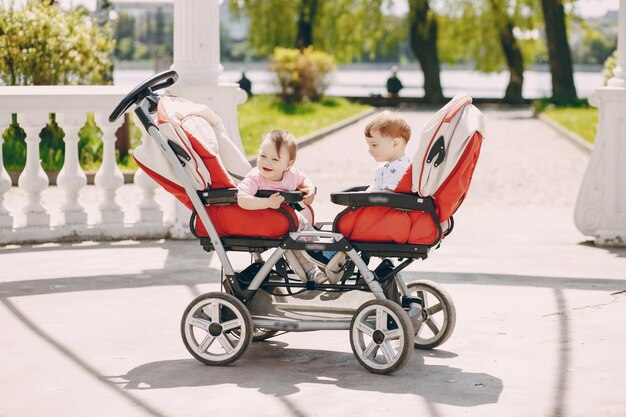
(582, 121)
(263, 113)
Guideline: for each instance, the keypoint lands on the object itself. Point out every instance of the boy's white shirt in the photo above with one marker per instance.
(387, 177)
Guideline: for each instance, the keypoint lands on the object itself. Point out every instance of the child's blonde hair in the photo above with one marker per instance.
(282, 138)
(390, 125)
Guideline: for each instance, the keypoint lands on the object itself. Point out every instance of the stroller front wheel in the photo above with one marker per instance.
(216, 328)
(381, 334)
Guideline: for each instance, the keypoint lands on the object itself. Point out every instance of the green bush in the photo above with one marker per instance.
(45, 45)
(609, 66)
(302, 73)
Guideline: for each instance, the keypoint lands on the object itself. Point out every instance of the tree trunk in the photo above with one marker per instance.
(559, 54)
(306, 20)
(512, 54)
(423, 41)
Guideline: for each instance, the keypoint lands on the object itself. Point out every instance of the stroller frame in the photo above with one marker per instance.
(235, 312)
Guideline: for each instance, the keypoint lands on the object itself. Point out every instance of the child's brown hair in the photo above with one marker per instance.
(390, 125)
(282, 138)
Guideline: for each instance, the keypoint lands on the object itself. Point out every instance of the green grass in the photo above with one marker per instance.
(582, 121)
(263, 113)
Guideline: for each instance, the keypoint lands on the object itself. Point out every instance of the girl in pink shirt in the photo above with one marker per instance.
(274, 171)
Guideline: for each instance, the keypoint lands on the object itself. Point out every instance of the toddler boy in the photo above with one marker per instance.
(387, 136)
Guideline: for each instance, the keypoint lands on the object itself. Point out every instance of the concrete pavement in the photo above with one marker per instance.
(93, 328)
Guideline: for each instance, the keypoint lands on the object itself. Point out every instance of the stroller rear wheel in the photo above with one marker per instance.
(216, 328)
(438, 316)
(381, 336)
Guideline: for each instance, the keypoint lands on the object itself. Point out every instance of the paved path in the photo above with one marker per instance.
(92, 328)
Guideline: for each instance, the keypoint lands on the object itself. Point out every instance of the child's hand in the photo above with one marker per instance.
(308, 194)
(275, 200)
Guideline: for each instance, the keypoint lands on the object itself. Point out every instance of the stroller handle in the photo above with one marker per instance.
(156, 82)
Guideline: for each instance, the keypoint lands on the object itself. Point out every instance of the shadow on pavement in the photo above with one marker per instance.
(273, 368)
(616, 251)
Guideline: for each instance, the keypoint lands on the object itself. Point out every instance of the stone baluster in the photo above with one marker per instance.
(149, 210)
(33, 179)
(6, 220)
(601, 204)
(72, 179)
(109, 177)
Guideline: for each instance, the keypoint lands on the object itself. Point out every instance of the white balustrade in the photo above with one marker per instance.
(32, 223)
(33, 179)
(72, 178)
(109, 177)
(6, 220)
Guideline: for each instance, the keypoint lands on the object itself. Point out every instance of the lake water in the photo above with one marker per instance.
(365, 82)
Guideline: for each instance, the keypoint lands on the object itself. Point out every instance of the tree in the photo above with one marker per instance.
(347, 29)
(559, 55)
(306, 19)
(42, 45)
(494, 34)
(423, 41)
(512, 51)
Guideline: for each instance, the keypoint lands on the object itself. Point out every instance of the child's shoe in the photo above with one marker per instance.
(334, 268)
(315, 274)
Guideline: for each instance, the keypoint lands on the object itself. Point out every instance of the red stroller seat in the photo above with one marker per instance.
(214, 164)
(420, 210)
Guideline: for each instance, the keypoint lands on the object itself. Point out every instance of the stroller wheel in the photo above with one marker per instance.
(438, 316)
(381, 336)
(216, 328)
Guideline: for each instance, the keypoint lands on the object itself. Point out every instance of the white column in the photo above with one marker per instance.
(6, 220)
(601, 205)
(149, 210)
(197, 61)
(72, 179)
(197, 41)
(33, 179)
(109, 177)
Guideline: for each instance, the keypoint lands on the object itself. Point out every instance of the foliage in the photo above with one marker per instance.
(582, 121)
(44, 45)
(145, 36)
(595, 48)
(347, 29)
(552, 103)
(302, 74)
(609, 66)
(472, 32)
(263, 112)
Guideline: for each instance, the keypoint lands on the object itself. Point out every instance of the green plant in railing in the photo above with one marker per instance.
(14, 147)
(90, 145)
(52, 146)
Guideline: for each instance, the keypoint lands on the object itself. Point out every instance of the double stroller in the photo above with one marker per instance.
(380, 233)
